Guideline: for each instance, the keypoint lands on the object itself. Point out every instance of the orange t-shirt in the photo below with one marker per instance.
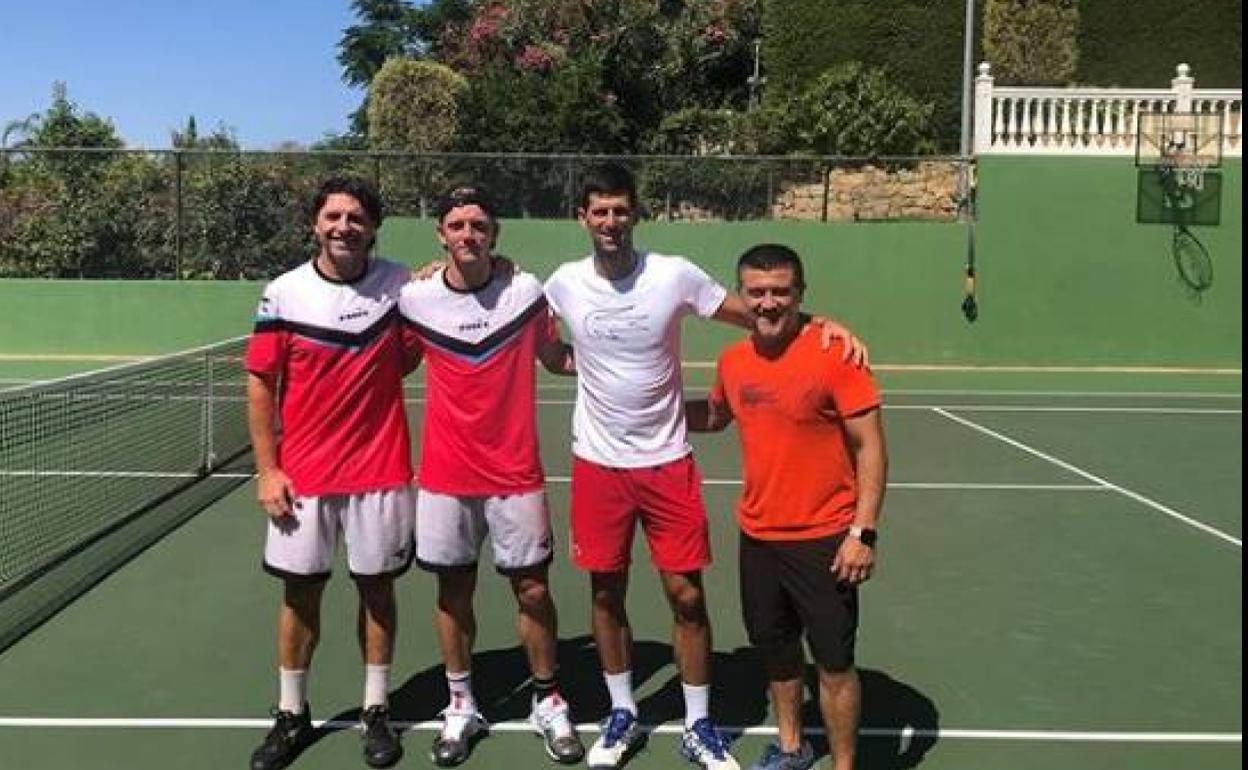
(799, 475)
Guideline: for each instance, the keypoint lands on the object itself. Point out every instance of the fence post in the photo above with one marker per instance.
(827, 184)
(177, 216)
(1182, 85)
(983, 109)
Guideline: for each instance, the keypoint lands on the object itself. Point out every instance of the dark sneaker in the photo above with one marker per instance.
(460, 730)
(703, 745)
(381, 743)
(621, 737)
(290, 735)
(775, 759)
(550, 719)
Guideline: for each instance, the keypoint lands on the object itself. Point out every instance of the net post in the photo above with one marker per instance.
(207, 458)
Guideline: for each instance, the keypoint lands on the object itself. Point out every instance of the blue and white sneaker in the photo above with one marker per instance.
(621, 737)
(704, 745)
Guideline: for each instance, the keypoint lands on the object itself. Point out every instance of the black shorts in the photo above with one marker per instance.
(787, 587)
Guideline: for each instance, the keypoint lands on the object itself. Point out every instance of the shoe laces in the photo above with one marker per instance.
(456, 722)
(375, 719)
(551, 713)
(618, 725)
(707, 739)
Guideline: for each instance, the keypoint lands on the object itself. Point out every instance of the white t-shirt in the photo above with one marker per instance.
(629, 396)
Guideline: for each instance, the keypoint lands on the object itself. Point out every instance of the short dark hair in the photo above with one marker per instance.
(608, 179)
(465, 195)
(769, 256)
(360, 189)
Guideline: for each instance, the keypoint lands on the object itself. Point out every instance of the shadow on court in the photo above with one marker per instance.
(499, 678)
(894, 707)
(739, 697)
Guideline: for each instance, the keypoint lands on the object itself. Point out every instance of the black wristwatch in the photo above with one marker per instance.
(864, 535)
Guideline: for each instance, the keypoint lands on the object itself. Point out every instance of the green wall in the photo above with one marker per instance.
(1066, 277)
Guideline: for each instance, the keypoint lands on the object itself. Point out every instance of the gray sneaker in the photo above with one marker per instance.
(551, 721)
(775, 759)
(460, 730)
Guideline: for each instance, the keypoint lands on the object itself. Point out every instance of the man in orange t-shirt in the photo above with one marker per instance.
(815, 463)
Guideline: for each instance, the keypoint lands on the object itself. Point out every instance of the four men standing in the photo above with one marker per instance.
(479, 330)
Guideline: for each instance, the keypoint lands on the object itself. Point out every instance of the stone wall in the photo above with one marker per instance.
(928, 191)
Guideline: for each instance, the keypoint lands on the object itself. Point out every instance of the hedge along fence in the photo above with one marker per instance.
(241, 215)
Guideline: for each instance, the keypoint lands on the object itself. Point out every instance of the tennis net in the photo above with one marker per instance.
(86, 456)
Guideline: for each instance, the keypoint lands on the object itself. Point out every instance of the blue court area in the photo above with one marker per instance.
(1060, 585)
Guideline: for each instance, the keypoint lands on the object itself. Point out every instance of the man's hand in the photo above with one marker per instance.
(854, 561)
(275, 493)
(855, 350)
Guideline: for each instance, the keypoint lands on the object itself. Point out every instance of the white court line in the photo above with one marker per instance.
(1092, 477)
(921, 485)
(980, 408)
(1063, 393)
(568, 479)
(1100, 409)
(664, 729)
(980, 392)
(122, 474)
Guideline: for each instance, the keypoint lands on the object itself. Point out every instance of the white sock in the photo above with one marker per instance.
(459, 684)
(376, 684)
(621, 688)
(293, 689)
(697, 702)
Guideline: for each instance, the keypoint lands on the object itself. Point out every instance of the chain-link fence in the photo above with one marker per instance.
(90, 213)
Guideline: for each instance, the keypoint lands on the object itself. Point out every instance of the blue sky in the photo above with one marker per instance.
(265, 68)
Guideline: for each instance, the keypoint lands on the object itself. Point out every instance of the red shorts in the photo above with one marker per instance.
(607, 503)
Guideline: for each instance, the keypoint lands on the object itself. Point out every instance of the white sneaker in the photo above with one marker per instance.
(703, 744)
(550, 719)
(621, 737)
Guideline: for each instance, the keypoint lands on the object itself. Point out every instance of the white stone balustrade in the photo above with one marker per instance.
(1022, 120)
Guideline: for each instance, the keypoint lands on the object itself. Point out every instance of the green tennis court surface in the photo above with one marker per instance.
(1060, 587)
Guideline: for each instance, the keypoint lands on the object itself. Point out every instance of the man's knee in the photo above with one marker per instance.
(688, 601)
(532, 593)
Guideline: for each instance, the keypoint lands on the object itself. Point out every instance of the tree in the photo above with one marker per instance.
(918, 41)
(858, 111)
(1032, 42)
(394, 28)
(413, 107)
(221, 138)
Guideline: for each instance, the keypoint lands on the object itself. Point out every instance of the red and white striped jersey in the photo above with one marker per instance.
(338, 351)
(479, 436)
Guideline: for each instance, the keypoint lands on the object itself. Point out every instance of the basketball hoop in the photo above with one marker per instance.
(1185, 170)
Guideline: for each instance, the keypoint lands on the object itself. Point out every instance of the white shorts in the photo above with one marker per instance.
(375, 526)
(451, 529)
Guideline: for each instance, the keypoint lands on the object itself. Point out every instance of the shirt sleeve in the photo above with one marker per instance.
(266, 350)
(552, 288)
(700, 291)
(853, 387)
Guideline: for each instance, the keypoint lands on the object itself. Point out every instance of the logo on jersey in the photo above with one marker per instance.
(474, 326)
(353, 314)
(264, 311)
(756, 395)
(616, 323)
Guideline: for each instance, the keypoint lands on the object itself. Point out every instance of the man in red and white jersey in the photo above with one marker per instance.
(481, 330)
(324, 390)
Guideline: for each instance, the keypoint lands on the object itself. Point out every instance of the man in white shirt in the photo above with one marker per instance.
(632, 462)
